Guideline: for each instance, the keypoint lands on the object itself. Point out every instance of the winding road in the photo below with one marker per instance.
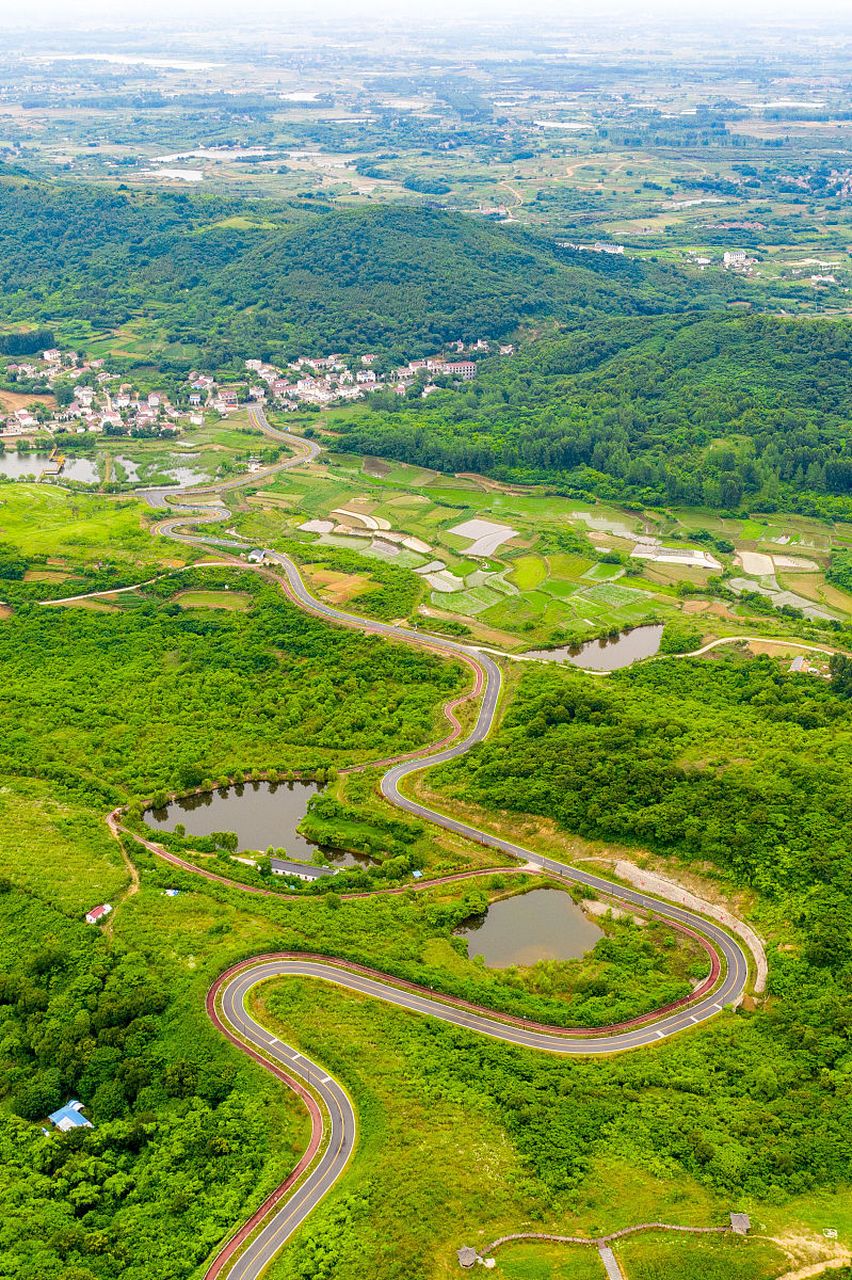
(333, 1122)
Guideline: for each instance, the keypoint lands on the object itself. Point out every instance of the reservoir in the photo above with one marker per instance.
(606, 654)
(545, 924)
(260, 813)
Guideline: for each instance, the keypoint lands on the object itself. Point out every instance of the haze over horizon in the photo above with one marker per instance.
(117, 13)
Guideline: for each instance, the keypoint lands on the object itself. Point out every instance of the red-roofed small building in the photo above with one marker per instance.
(98, 914)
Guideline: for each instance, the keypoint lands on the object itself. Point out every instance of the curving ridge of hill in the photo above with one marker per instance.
(418, 277)
(224, 281)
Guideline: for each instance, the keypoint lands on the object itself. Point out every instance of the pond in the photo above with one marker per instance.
(184, 475)
(260, 813)
(17, 465)
(545, 924)
(606, 654)
(130, 468)
(83, 470)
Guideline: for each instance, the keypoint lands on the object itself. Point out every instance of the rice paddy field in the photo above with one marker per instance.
(539, 568)
(517, 569)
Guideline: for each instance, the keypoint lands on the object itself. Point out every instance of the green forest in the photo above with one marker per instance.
(719, 411)
(155, 696)
(728, 761)
(283, 280)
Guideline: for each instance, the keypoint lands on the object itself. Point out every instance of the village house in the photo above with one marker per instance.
(99, 913)
(465, 369)
(70, 1117)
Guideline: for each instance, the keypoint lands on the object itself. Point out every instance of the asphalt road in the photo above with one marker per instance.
(339, 1120)
(735, 962)
(337, 1134)
(336, 1137)
(163, 496)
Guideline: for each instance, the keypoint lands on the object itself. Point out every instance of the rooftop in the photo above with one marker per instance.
(283, 867)
(70, 1117)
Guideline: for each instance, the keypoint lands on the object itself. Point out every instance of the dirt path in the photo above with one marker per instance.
(519, 195)
(819, 1268)
(133, 873)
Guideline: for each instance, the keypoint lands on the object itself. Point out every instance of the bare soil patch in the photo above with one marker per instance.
(715, 608)
(336, 587)
(12, 400)
(45, 575)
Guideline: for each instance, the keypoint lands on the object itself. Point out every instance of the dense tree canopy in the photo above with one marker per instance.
(716, 411)
(285, 280)
(144, 695)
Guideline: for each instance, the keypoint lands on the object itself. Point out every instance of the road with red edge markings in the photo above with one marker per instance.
(333, 1124)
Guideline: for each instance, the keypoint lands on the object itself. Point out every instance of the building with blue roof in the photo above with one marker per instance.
(70, 1117)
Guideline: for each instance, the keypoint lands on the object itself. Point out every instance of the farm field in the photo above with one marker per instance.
(238, 601)
(564, 573)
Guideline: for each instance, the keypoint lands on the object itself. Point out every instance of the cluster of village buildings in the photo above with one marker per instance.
(98, 403)
(328, 379)
(103, 402)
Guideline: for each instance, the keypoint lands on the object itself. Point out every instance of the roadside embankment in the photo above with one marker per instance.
(661, 886)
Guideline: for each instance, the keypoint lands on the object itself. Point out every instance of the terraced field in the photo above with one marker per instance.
(561, 572)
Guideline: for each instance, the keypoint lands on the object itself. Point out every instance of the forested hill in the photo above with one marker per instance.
(715, 410)
(226, 280)
(419, 277)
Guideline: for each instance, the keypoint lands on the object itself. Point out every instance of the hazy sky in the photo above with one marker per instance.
(141, 13)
